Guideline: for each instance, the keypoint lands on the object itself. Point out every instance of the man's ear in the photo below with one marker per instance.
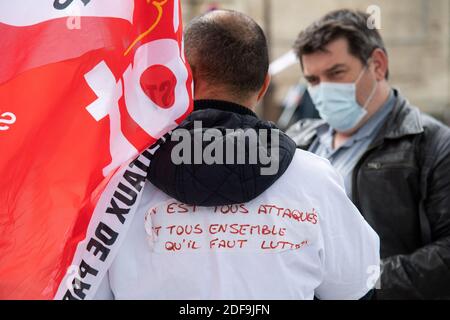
(381, 63)
(265, 87)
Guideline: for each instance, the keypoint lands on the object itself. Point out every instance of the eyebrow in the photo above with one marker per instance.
(311, 77)
(336, 67)
(328, 71)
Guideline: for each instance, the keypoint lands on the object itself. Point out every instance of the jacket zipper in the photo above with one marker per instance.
(379, 165)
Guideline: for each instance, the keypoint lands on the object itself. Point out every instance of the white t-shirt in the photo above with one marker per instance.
(301, 238)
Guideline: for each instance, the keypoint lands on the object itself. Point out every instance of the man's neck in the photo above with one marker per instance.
(219, 95)
(340, 139)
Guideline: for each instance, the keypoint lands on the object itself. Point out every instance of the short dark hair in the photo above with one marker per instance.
(347, 24)
(228, 48)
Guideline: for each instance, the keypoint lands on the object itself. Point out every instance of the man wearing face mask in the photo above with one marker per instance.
(395, 160)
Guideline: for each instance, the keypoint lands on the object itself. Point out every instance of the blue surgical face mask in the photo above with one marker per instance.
(337, 103)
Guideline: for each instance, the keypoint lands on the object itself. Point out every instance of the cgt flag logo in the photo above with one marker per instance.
(89, 105)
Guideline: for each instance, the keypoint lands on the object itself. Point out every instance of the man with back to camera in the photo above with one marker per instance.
(395, 160)
(235, 232)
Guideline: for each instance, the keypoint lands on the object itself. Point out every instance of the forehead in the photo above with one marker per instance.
(337, 52)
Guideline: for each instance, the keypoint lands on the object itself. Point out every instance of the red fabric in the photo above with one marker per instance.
(52, 156)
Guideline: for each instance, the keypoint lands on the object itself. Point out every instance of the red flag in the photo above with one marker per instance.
(85, 87)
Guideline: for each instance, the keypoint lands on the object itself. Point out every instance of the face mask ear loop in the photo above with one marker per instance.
(366, 67)
(374, 90)
(360, 75)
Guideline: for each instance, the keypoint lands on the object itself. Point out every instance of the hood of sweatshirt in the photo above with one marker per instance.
(222, 154)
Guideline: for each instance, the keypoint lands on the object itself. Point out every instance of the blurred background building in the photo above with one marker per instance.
(416, 32)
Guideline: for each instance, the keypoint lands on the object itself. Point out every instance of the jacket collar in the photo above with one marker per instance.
(405, 120)
(223, 106)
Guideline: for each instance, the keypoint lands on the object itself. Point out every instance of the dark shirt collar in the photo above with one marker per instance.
(223, 106)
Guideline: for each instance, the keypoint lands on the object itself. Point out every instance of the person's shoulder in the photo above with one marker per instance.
(305, 125)
(311, 168)
(434, 134)
(304, 131)
(436, 137)
(413, 116)
(434, 127)
(305, 157)
(152, 195)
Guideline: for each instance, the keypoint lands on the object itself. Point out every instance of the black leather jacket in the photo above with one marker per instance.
(401, 185)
